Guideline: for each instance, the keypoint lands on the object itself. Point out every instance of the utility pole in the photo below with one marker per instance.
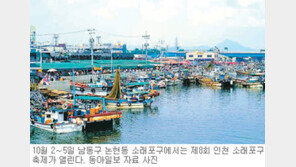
(73, 87)
(111, 59)
(146, 37)
(91, 44)
(177, 44)
(55, 39)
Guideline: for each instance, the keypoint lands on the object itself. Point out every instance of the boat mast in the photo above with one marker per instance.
(73, 87)
(110, 48)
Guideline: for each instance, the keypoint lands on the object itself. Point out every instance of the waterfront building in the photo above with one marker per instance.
(100, 52)
(58, 48)
(139, 56)
(175, 54)
(38, 55)
(242, 56)
(204, 56)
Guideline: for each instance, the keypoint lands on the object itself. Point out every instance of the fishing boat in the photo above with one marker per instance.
(129, 103)
(176, 81)
(94, 114)
(99, 88)
(136, 84)
(68, 117)
(162, 84)
(248, 83)
(209, 82)
(191, 79)
(153, 93)
(242, 72)
(74, 119)
(116, 99)
(54, 121)
(258, 74)
(226, 81)
(252, 85)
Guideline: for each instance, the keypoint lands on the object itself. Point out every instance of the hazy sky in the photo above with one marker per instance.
(194, 22)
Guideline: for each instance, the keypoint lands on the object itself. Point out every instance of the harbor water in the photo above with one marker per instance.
(181, 115)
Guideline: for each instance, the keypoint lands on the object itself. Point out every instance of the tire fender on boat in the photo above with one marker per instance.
(129, 103)
(118, 104)
(93, 90)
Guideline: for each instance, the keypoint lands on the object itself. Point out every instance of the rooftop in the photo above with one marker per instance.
(86, 64)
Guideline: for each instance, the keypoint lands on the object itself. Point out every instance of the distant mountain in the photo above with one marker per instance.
(232, 46)
(200, 48)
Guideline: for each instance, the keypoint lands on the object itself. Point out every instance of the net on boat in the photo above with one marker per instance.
(116, 89)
